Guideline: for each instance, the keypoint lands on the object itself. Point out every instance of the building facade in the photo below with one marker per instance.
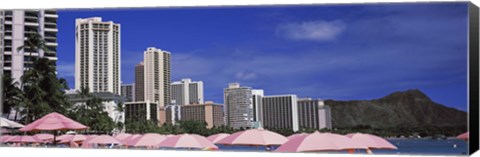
(313, 114)
(128, 91)
(139, 82)
(210, 113)
(141, 111)
(186, 92)
(280, 112)
(97, 55)
(238, 106)
(257, 96)
(157, 76)
(15, 26)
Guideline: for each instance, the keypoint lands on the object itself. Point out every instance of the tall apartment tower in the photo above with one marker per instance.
(238, 106)
(313, 113)
(280, 112)
(139, 82)
(128, 91)
(97, 55)
(157, 75)
(186, 92)
(257, 95)
(15, 27)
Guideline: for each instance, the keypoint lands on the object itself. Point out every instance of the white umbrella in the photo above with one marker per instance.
(9, 124)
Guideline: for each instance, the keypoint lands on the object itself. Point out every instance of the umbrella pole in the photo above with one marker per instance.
(54, 137)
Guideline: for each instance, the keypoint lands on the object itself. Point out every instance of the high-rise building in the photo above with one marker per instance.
(210, 113)
(139, 82)
(141, 111)
(238, 106)
(97, 55)
(257, 95)
(128, 91)
(186, 92)
(157, 75)
(312, 113)
(280, 112)
(15, 27)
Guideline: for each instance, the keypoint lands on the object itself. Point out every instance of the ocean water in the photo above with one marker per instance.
(405, 146)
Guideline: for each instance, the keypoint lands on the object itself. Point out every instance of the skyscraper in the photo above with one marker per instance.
(186, 92)
(128, 91)
(97, 55)
(313, 114)
(15, 26)
(157, 75)
(238, 106)
(139, 82)
(257, 95)
(280, 112)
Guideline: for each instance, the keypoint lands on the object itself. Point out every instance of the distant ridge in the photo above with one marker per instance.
(408, 109)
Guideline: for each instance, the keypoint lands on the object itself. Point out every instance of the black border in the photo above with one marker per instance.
(473, 106)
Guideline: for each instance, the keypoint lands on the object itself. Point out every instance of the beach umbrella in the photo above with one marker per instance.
(254, 137)
(103, 139)
(72, 138)
(5, 123)
(85, 143)
(371, 141)
(147, 140)
(3, 138)
(296, 135)
(44, 137)
(187, 141)
(23, 139)
(53, 122)
(132, 137)
(122, 136)
(317, 142)
(464, 136)
(217, 137)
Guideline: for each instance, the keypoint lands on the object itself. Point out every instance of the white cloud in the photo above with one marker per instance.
(312, 30)
(245, 75)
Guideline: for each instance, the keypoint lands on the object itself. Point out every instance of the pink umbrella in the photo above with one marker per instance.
(3, 138)
(147, 140)
(464, 136)
(22, 139)
(371, 141)
(53, 122)
(319, 142)
(187, 141)
(85, 143)
(44, 137)
(254, 137)
(122, 136)
(296, 135)
(73, 138)
(104, 139)
(217, 137)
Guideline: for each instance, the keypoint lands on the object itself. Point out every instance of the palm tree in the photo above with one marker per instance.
(120, 108)
(34, 43)
(11, 94)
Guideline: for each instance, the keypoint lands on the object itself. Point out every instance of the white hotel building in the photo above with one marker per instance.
(157, 76)
(97, 55)
(187, 92)
(15, 27)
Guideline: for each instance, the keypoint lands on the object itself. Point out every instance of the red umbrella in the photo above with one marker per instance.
(103, 139)
(3, 138)
(44, 137)
(296, 135)
(464, 136)
(53, 122)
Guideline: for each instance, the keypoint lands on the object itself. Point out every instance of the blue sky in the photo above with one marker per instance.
(341, 52)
